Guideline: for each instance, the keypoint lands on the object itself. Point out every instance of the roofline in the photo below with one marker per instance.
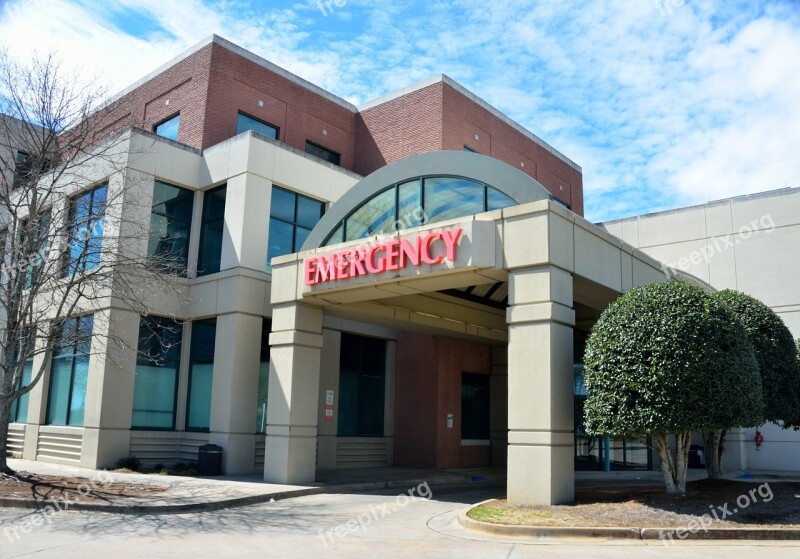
(264, 63)
(244, 53)
(785, 191)
(444, 78)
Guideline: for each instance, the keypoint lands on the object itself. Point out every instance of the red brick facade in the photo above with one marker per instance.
(210, 86)
(427, 389)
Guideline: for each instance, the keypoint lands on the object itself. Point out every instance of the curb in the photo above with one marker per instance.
(624, 533)
(189, 508)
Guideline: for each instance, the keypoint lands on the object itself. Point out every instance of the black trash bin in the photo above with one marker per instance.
(697, 459)
(209, 460)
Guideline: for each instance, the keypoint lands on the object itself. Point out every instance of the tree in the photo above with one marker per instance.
(776, 354)
(653, 363)
(70, 244)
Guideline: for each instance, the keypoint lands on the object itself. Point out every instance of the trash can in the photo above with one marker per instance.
(697, 458)
(209, 460)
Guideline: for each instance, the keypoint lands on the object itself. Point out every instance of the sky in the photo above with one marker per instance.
(663, 103)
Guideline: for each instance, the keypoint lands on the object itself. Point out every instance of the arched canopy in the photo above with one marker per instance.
(420, 189)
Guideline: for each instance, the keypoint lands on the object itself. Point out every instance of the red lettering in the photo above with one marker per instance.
(310, 271)
(450, 241)
(371, 268)
(393, 254)
(325, 269)
(427, 241)
(410, 252)
(341, 265)
(357, 257)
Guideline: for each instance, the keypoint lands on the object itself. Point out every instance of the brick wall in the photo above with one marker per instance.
(238, 84)
(210, 86)
(464, 120)
(404, 126)
(427, 388)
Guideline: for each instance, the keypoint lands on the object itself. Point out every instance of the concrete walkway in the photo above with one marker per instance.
(196, 494)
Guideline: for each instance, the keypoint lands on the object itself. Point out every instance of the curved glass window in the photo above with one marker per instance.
(416, 202)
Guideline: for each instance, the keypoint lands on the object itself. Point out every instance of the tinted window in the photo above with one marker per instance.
(362, 386)
(474, 406)
(212, 229)
(170, 224)
(169, 128)
(292, 217)
(323, 153)
(201, 373)
(245, 123)
(157, 365)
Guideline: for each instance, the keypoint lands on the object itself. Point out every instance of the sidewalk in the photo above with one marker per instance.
(201, 494)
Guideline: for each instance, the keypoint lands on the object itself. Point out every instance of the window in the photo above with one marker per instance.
(362, 386)
(416, 202)
(69, 373)
(169, 127)
(211, 231)
(474, 406)
(263, 378)
(26, 168)
(323, 153)
(19, 409)
(157, 365)
(201, 373)
(170, 223)
(39, 244)
(245, 123)
(292, 217)
(86, 224)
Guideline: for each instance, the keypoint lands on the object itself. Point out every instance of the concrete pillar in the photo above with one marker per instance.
(109, 391)
(540, 318)
(498, 407)
(294, 371)
(234, 390)
(247, 201)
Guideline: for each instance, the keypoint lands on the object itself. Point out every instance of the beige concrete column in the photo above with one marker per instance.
(540, 387)
(294, 371)
(247, 203)
(498, 407)
(109, 391)
(234, 390)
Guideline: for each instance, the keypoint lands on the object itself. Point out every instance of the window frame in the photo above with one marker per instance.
(179, 324)
(164, 121)
(329, 152)
(342, 224)
(294, 224)
(258, 120)
(203, 234)
(183, 269)
(203, 361)
(71, 225)
(74, 353)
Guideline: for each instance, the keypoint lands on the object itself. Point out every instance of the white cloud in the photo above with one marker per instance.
(660, 110)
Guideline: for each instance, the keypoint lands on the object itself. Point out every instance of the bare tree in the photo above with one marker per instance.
(71, 243)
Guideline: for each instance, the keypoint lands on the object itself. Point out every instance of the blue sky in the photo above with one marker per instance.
(663, 103)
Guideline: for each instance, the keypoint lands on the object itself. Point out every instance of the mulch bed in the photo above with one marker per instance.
(774, 504)
(98, 489)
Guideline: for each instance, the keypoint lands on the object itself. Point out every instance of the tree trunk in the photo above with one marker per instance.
(674, 466)
(5, 416)
(715, 449)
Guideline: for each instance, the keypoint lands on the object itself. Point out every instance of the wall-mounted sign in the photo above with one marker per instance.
(372, 259)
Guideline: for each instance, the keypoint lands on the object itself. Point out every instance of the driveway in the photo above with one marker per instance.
(381, 524)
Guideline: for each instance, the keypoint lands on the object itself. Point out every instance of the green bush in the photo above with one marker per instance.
(775, 351)
(665, 359)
